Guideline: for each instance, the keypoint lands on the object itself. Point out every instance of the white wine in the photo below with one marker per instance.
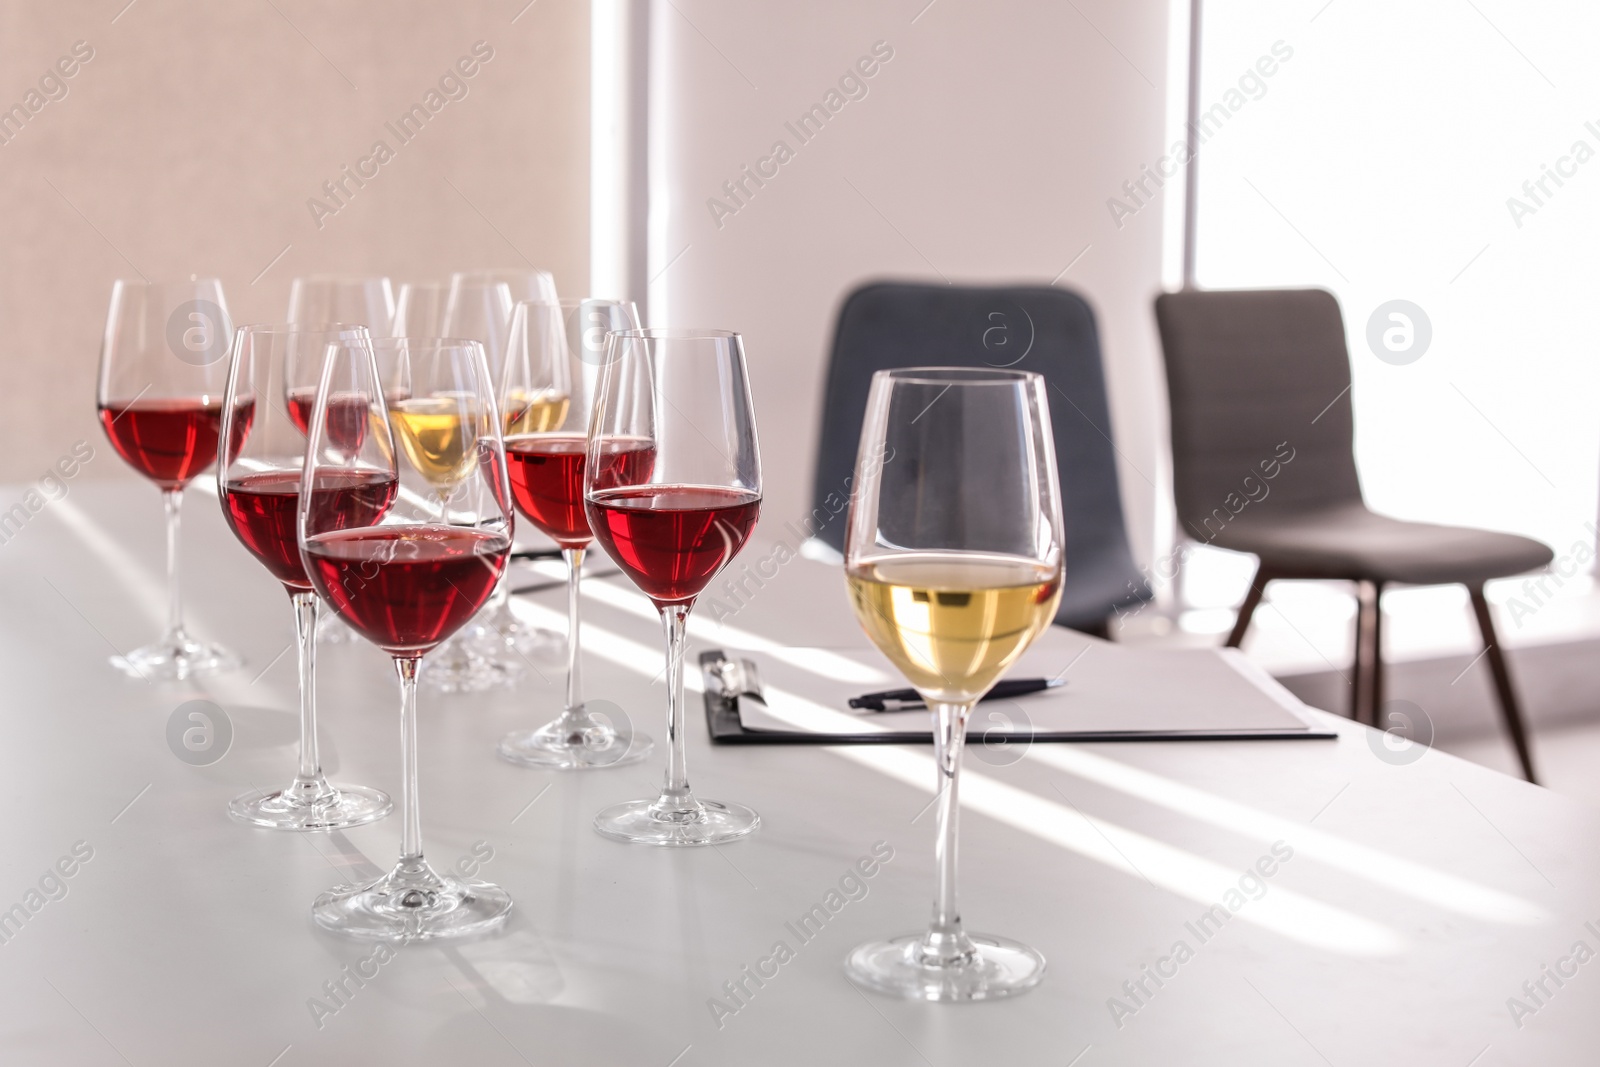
(953, 622)
(539, 412)
(431, 434)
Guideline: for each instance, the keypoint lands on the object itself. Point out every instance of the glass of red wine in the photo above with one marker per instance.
(407, 581)
(672, 524)
(259, 470)
(163, 370)
(546, 396)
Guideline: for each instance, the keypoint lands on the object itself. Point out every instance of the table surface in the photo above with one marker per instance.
(1417, 897)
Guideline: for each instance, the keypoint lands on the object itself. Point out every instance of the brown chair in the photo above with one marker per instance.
(1264, 462)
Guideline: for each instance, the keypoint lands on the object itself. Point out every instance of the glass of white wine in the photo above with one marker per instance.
(953, 555)
(426, 410)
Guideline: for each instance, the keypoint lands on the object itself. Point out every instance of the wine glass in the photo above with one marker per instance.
(419, 309)
(489, 653)
(953, 556)
(682, 398)
(405, 583)
(327, 299)
(479, 309)
(265, 414)
(546, 396)
(163, 370)
(524, 283)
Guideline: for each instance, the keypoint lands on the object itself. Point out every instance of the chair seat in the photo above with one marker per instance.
(1349, 541)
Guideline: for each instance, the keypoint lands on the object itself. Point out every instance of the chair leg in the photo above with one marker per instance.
(1252, 600)
(1366, 697)
(1501, 670)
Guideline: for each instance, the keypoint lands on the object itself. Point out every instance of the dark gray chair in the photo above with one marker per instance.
(885, 325)
(1263, 462)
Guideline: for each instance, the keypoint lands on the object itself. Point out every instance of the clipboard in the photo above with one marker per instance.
(729, 682)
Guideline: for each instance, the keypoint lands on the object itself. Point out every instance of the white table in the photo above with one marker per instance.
(1418, 899)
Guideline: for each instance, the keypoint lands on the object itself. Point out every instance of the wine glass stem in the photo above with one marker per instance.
(410, 815)
(305, 624)
(173, 499)
(950, 727)
(675, 619)
(574, 558)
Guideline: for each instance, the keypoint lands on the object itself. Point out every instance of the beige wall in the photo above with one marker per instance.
(194, 137)
(984, 151)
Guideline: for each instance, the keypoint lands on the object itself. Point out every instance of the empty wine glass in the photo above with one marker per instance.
(524, 283)
(163, 372)
(407, 582)
(419, 309)
(546, 396)
(490, 652)
(265, 417)
(328, 299)
(953, 557)
(672, 487)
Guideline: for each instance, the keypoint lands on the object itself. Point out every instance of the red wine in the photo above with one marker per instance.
(672, 539)
(170, 441)
(263, 510)
(407, 588)
(348, 417)
(547, 478)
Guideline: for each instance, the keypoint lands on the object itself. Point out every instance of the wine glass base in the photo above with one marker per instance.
(1000, 968)
(412, 904)
(175, 660)
(348, 805)
(555, 749)
(458, 669)
(639, 823)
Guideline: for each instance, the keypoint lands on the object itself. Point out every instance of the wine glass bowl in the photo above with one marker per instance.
(406, 582)
(672, 489)
(260, 469)
(489, 653)
(163, 372)
(547, 397)
(953, 561)
(329, 299)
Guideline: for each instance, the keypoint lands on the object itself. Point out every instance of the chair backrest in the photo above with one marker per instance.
(1255, 377)
(885, 325)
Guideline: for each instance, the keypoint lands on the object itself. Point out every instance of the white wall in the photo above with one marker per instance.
(192, 140)
(984, 150)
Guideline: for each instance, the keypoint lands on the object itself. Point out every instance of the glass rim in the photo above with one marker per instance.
(488, 273)
(676, 333)
(159, 283)
(360, 279)
(425, 342)
(956, 375)
(270, 328)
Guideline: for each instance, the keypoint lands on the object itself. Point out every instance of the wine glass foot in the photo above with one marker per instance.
(709, 822)
(554, 747)
(176, 659)
(285, 809)
(332, 630)
(998, 967)
(455, 667)
(412, 903)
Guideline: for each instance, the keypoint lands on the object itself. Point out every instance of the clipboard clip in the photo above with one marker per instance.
(729, 679)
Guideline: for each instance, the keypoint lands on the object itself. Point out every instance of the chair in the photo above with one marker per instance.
(886, 325)
(1264, 462)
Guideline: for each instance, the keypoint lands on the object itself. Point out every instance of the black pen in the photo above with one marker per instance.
(910, 699)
